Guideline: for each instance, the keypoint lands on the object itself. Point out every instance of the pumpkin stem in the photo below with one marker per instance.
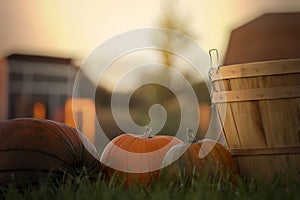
(147, 133)
(189, 136)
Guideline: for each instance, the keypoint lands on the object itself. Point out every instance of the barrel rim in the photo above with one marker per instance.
(254, 69)
(256, 94)
(265, 150)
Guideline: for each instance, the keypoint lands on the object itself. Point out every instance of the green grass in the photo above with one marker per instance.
(83, 188)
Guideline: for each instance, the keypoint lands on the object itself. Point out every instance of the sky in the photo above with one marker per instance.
(74, 28)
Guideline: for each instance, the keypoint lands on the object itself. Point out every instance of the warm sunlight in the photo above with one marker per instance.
(39, 110)
(81, 112)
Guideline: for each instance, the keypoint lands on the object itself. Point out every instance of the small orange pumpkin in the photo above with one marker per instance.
(199, 158)
(31, 148)
(136, 158)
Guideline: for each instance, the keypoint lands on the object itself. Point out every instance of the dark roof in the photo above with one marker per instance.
(271, 36)
(39, 58)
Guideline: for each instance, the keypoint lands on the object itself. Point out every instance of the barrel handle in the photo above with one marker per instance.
(212, 65)
(217, 59)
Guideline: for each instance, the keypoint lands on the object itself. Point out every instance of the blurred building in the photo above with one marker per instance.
(271, 36)
(39, 86)
(42, 87)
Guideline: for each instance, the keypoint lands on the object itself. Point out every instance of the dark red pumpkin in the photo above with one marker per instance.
(31, 148)
(136, 158)
(199, 158)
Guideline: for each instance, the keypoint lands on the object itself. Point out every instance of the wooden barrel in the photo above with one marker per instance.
(259, 108)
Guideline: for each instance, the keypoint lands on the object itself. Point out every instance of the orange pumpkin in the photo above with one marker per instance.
(31, 148)
(136, 158)
(198, 158)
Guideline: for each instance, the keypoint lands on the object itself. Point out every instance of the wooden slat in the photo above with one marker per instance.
(265, 151)
(226, 117)
(246, 115)
(229, 125)
(256, 94)
(280, 121)
(256, 69)
(248, 124)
